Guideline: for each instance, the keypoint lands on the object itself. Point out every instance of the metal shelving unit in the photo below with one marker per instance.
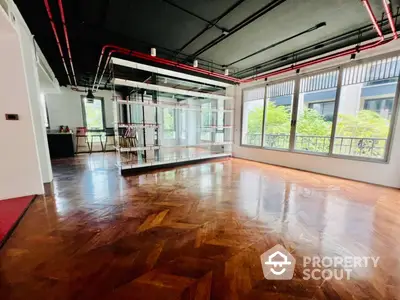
(155, 127)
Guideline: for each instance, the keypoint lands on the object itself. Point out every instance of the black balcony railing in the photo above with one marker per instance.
(352, 146)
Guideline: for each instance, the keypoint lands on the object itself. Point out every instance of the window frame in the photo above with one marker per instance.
(103, 113)
(297, 78)
(296, 88)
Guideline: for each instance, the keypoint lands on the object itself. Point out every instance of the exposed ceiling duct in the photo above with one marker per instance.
(218, 76)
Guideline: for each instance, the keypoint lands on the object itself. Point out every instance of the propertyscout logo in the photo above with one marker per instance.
(278, 264)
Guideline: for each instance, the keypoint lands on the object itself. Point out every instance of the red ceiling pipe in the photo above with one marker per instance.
(341, 53)
(158, 60)
(105, 67)
(60, 5)
(374, 21)
(53, 26)
(390, 18)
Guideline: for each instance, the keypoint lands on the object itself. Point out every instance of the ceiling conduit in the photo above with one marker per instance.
(53, 26)
(357, 49)
(60, 5)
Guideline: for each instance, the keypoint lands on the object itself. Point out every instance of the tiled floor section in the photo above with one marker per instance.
(10, 211)
(197, 232)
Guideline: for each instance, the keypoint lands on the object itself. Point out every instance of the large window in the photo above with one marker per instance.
(345, 112)
(365, 109)
(315, 112)
(93, 113)
(252, 118)
(278, 113)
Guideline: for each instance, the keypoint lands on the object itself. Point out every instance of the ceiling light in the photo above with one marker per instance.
(353, 56)
(90, 97)
(226, 72)
(224, 32)
(153, 52)
(195, 63)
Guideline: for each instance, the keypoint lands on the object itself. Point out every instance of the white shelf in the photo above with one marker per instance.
(128, 166)
(137, 125)
(177, 106)
(129, 149)
(165, 89)
(151, 69)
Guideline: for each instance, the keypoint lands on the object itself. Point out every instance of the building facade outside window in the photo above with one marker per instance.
(325, 109)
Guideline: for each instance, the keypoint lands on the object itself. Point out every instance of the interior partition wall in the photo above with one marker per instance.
(346, 111)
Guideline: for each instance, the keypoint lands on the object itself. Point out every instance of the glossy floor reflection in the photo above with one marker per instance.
(197, 232)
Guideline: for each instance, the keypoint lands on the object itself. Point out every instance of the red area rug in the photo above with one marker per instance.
(11, 210)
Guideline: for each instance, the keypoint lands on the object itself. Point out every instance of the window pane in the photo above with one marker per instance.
(253, 110)
(365, 110)
(94, 114)
(278, 114)
(315, 112)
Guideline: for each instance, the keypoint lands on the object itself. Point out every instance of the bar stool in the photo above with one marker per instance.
(81, 132)
(109, 131)
(96, 133)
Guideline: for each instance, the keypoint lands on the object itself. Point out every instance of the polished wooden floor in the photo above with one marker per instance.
(197, 232)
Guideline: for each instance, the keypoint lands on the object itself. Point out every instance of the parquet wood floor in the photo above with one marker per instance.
(197, 232)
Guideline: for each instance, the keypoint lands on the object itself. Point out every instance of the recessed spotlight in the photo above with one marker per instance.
(153, 52)
(195, 63)
(226, 72)
(224, 32)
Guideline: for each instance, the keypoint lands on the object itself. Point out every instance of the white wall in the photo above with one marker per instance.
(32, 80)
(20, 173)
(65, 108)
(387, 174)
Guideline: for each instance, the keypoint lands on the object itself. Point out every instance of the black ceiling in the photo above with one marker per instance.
(217, 32)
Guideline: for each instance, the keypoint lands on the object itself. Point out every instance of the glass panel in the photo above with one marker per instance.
(169, 123)
(206, 121)
(278, 113)
(94, 114)
(365, 110)
(253, 110)
(219, 134)
(315, 112)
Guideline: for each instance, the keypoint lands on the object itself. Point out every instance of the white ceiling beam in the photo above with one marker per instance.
(165, 89)
(151, 69)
